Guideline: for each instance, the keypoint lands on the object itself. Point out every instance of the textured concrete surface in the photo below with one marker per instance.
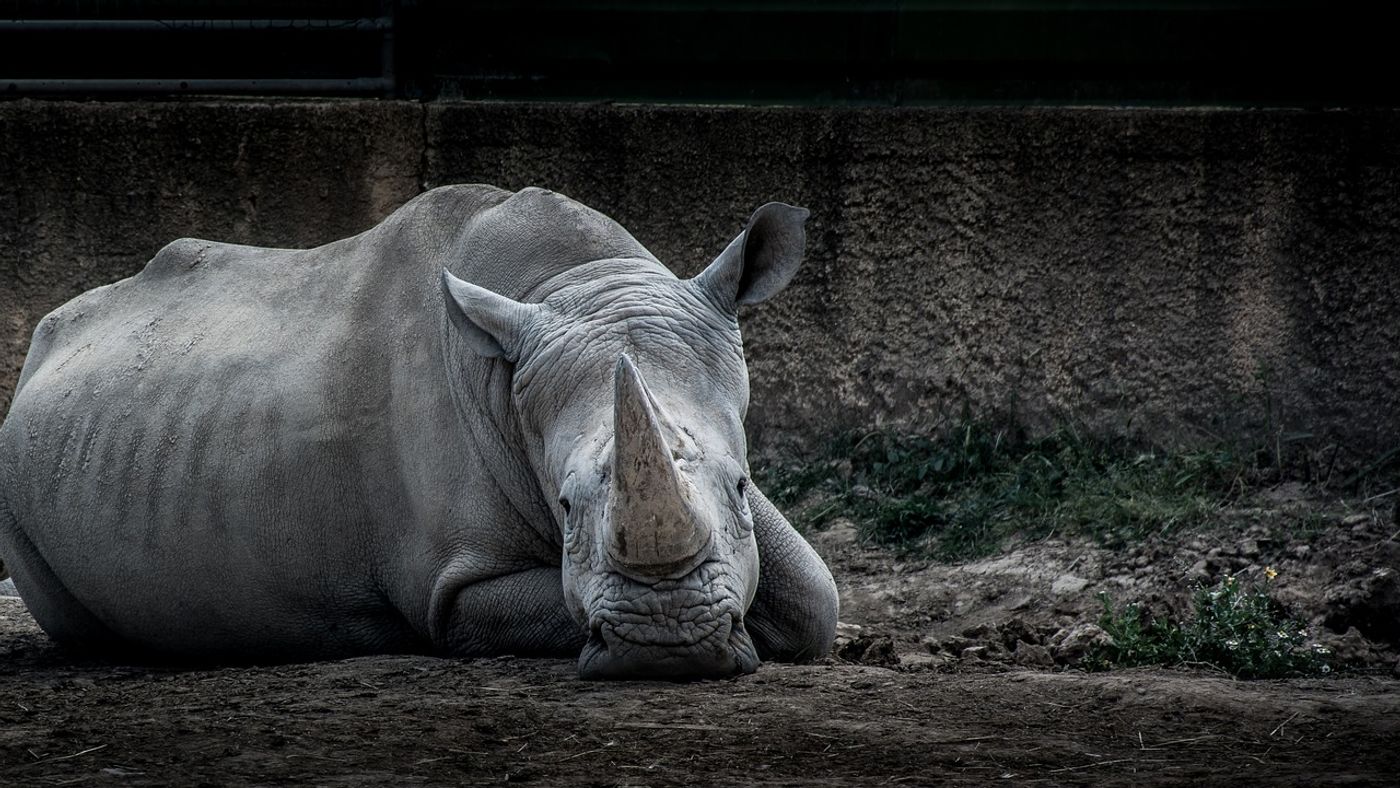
(1176, 274)
(90, 191)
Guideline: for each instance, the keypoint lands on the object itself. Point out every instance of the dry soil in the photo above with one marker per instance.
(946, 675)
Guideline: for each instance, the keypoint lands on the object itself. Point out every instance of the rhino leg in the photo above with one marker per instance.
(793, 615)
(521, 614)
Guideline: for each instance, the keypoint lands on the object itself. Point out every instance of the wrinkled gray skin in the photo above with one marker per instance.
(492, 424)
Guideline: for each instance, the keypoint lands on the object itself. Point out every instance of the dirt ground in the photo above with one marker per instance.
(944, 675)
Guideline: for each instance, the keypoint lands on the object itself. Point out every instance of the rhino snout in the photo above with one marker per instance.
(638, 651)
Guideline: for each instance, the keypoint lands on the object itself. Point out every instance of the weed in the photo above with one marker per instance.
(1233, 627)
(963, 495)
(1309, 526)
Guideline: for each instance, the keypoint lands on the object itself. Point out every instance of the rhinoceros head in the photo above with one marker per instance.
(631, 389)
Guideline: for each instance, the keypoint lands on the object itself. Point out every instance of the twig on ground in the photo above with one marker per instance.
(1386, 494)
(1275, 731)
(66, 757)
(1097, 763)
(652, 767)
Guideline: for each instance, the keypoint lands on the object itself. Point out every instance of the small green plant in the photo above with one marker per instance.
(1234, 627)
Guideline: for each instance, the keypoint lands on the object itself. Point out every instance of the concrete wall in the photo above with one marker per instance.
(1178, 274)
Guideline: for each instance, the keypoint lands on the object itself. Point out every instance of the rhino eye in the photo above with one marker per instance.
(564, 502)
(743, 484)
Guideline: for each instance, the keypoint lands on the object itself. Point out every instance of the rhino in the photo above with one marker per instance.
(492, 424)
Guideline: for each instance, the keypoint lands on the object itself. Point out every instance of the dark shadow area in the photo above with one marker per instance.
(1141, 52)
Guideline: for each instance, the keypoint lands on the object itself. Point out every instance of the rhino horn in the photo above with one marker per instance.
(655, 533)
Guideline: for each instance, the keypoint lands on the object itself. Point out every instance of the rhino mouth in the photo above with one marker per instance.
(618, 653)
(668, 631)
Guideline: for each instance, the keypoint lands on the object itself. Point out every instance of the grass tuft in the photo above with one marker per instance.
(965, 494)
(1235, 628)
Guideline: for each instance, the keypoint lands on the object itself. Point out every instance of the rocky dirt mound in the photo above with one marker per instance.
(1331, 566)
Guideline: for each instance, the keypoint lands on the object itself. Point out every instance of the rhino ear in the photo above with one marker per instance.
(761, 261)
(492, 324)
